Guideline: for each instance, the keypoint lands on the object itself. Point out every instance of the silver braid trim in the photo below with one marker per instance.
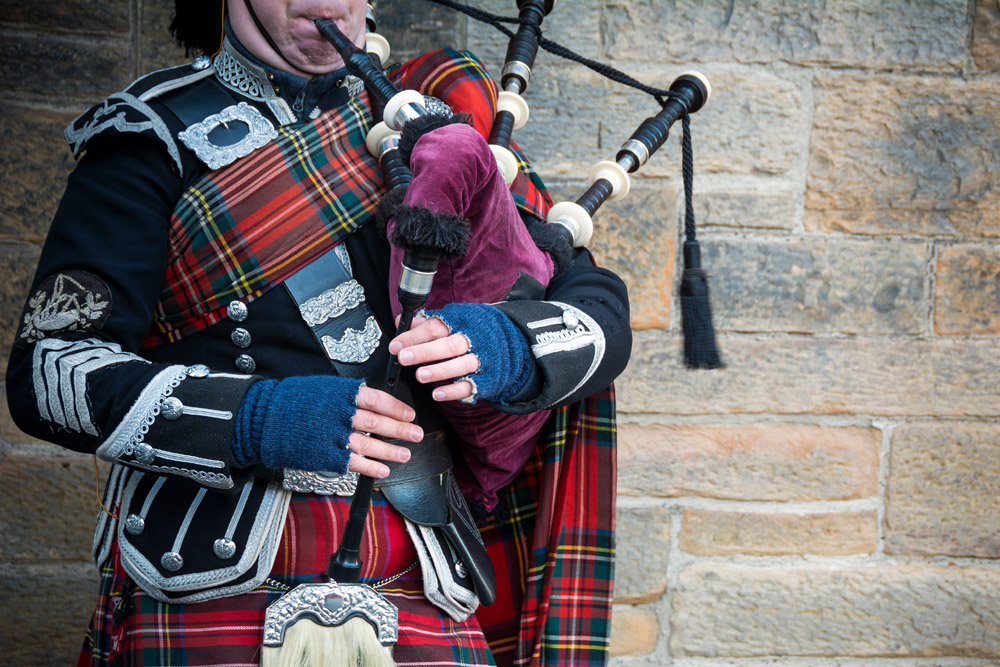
(241, 75)
(584, 332)
(128, 439)
(59, 373)
(259, 553)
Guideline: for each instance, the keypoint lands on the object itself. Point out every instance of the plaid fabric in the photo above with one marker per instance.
(129, 627)
(246, 227)
(558, 541)
(554, 559)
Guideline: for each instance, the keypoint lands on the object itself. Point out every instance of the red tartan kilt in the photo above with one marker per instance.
(228, 631)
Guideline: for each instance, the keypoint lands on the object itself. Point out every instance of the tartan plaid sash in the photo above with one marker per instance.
(557, 546)
(243, 229)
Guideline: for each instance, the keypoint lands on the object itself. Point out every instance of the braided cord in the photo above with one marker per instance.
(607, 71)
(687, 170)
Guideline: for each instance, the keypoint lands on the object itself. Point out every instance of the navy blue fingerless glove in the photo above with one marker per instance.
(507, 372)
(298, 422)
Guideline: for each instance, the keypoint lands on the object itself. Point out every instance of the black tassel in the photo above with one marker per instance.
(700, 349)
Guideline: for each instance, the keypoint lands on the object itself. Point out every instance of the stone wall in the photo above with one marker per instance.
(832, 497)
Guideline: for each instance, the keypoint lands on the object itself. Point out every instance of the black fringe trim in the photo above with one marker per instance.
(418, 227)
(387, 208)
(548, 238)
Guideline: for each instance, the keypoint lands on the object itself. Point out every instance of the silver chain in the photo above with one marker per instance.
(389, 580)
(385, 582)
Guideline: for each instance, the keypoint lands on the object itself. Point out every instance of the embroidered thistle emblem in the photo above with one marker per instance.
(75, 301)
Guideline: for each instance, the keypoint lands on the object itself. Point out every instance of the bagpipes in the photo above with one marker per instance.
(430, 217)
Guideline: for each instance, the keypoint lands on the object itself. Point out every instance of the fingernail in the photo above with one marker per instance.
(405, 356)
(423, 374)
(395, 347)
(416, 434)
(404, 455)
(438, 394)
(409, 415)
(383, 472)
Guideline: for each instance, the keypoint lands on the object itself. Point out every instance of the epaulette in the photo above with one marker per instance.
(129, 111)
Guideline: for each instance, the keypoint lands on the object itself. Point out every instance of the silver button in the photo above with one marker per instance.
(172, 561)
(570, 319)
(172, 408)
(134, 524)
(240, 337)
(224, 548)
(237, 311)
(144, 453)
(245, 363)
(200, 63)
(198, 371)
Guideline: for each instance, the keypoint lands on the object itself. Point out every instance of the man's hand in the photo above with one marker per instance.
(473, 343)
(428, 341)
(380, 414)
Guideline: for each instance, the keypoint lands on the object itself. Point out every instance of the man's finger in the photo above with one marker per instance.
(382, 403)
(421, 331)
(454, 391)
(450, 347)
(448, 370)
(367, 421)
(372, 448)
(363, 466)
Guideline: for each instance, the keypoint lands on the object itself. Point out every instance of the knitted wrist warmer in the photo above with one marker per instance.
(298, 422)
(506, 367)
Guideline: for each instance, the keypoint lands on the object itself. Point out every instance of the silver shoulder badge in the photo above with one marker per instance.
(260, 132)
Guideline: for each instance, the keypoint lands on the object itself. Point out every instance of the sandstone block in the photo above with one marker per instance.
(70, 15)
(986, 35)
(633, 631)
(860, 33)
(884, 611)
(817, 286)
(746, 210)
(44, 612)
(49, 506)
(815, 376)
(34, 170)
(643, 540)
(636, 238)
(914, 155)
(730, 533)
(58, 66)
(576, 24)
(748, 462)
(943, 494)
(17, 263)
(578, 118)
(967, 290)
